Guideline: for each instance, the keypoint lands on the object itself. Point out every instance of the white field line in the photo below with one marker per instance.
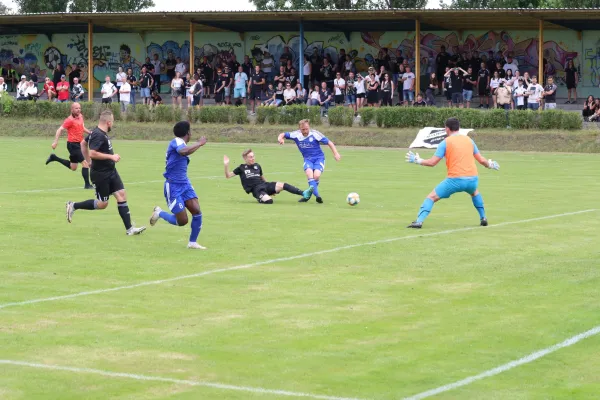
(151, 378)
(126, 183)
(503, 368)
(282, 259)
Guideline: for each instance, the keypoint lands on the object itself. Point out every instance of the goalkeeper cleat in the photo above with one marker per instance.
(415, 225)
(483, 222)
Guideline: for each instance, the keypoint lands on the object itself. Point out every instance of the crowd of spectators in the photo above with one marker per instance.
(458, 77)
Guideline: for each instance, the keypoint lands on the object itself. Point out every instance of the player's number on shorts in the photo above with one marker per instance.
(180, 205)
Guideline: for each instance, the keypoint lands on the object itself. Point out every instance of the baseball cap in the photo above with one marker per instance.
(23, 77)
(62, 76)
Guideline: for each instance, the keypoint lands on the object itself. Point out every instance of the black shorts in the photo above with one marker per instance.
(483, 91)
(571, 85)
(75, 154)
(360, 96)
(372, 97)
(448, 95)
(260, 190)
(255, 94)
(106, 184)
(106, 100)
(339, 99)
(219, 96)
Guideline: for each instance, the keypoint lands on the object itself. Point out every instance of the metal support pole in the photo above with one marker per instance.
(301, 55)
(541, 53)
(90, 76)
(192, 49)
(417, 57)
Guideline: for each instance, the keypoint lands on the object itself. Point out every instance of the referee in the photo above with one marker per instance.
(104, 175)
(75, 127)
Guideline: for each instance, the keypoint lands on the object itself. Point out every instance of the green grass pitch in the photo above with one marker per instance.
(382, 321)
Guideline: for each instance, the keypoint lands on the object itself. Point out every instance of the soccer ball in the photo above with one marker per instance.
(353, 199)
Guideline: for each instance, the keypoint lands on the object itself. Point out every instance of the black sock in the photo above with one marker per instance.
(85, 205)
(124, 213)
(85, 172)
(64, 162)
(292, 189)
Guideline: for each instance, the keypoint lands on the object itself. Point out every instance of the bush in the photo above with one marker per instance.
(142, 113)
(367, 115)
(525, 119)
(288, 115)
(90, 110)
(341, 116)
(239, 115)
(267, 114)
(550, 119)
(571, 121)
(164, 113)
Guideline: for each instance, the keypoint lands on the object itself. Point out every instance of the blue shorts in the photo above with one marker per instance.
(467, 95)
(239, 93)
(314, 164)
(145, 92)
(351, 98)
(449, 186)
(409, 95)
(176, 194)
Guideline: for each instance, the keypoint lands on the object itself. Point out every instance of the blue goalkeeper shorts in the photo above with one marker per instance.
(449, 186)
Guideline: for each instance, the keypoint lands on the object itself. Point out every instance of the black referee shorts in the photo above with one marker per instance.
(260, 190)
(106, 184)
(75, 154)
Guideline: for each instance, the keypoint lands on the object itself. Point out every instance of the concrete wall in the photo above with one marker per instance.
(113, 50)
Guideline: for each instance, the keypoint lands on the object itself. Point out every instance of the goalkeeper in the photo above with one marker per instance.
(461, 153)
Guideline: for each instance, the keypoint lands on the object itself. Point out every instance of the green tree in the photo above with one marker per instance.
(270, 5)
(494, 4)
(40, 6)
(4, 9)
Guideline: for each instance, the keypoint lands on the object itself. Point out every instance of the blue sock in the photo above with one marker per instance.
(167, 216)
(196, 227)
(425, 209)
(478, 203)
(315, 185)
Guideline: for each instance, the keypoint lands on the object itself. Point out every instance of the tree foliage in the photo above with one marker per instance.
(520, 4)
(4, 8)
(39, 6)
(270, 5)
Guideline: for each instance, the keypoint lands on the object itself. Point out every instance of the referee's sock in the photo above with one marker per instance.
(86, 205)
(478, 203)
(85, 172)
(124, 213)
(62, 161)
(292, 189)
(196, 227)
(425, 209)
(167, 216)
(315, 185)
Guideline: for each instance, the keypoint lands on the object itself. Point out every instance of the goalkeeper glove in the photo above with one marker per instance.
(413, 158)
(493, 164)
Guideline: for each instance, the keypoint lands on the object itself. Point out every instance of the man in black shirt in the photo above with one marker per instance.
(253, 180)
(104, 175)
(255, 86)
(146, 82)
(470, 79)
(483, 86)
(131, 79)
(441, 62)
(457, 86)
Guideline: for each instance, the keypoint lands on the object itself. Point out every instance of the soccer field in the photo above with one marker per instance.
(291, 300)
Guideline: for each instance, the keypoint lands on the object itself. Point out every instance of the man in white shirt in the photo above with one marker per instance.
(535, 93)
(289, 95)
(339, 85)
(510, 64)
(121, 77)
(158, 66)
(32, 91)
(408, 86)
(22, 88)
(108, 90)
(125, 95)
(77, 91)
(180, 67)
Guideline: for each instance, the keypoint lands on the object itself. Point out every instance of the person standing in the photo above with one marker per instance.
(121, 79)
(572, 77)
(157, 66)
(146, 83)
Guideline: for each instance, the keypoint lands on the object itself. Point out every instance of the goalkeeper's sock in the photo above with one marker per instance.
(315, 185)
(167, 216)
(425, 209)
(478, 203)
(292, 189)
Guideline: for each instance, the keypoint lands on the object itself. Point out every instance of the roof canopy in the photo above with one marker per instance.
(285, 21)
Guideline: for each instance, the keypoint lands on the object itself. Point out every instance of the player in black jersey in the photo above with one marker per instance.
(253, 180)
(104, 175)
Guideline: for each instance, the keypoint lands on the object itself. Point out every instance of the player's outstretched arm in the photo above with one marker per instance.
(188, 150)
(57, 136)
(490, 164)
(228, 174)
(281, 138)
(336, 155)
(414, 158)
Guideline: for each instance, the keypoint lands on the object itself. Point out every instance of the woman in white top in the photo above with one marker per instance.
(121, 78)
(307, 71)
(177, 89)
(494, 83)
(510, 83)
(360, 91)
(314, 99)
(348, 66)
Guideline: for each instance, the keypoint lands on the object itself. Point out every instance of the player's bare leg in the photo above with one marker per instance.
(425, 209)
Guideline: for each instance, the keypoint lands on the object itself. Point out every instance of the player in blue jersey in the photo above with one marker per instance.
(309, 143)
(179, 192)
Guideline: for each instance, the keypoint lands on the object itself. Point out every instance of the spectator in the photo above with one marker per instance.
(316, 62)
(157, 67)
(285, 56)
(289, 95)
(420, 102)
(372, 83)
(441, 62)
(278, 96)
(255, 86)
(63, 90)
(208, 72)
(470, 80)
(572, 77)
(339, 85)
(314, 99)
(289, 67)
(156, 99)
(220, 83)
(510, 83)
(535, 92)
(351, 91)
(519, 94)
(180, 67)
(456, 83)
(549, 94)
(348, 66)
(33, 76)
(241, 82)
(197, 92)
(399, 85)
(292, 77)
(589, 107)
(187, 84)
(121, 79)
(500, 70)
(146, 82)
(233, 64)
(281, 77)
(515, 85)
(247, 66)
(77, 90)
(327, 73)
(384, 59)
(447, 86)
(22, 88)
(339, 67)
(433, 87)
(171, 63)
(360, 92)
(124, 95)
(108, 91)
(596, 115)
(269, 95)
(32, 91)
(148, 64)
(527, 80)
(503, 95)
(49, 89)
(301, 95)
(177, 87)
(307, 71)
(408, 88)
(510, 65)
(58, 73)
(397, 66)
(325, 99)
(75, 73)
(11, 76)
(228, 76)
(494, 84)
(131, 79)
(387, 90)
(268, 65)
(3, 86)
